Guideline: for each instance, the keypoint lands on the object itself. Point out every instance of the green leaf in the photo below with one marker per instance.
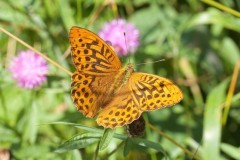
(106, 138)
(79, 141)
(229, 51)
(90, 129)
(8, 135)
(146, 13)
(215, 17)
(33, 123)
(212, 121)
(236, 98)
(231, 151)
(29, 122)
(66, 13)
(127, 147)
(148, 144)
(32, 151)
(143, 143)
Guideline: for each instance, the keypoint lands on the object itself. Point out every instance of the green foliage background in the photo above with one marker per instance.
(200, 45)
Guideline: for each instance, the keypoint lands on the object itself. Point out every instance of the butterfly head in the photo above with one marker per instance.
(129, 67)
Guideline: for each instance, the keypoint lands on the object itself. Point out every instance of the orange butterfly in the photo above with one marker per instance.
(101, 84)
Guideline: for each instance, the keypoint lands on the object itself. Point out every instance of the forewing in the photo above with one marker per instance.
(91, 54)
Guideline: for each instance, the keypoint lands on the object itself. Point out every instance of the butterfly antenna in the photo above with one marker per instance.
(151, 62)
(125, 39)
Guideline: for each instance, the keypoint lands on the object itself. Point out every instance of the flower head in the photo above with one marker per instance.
(114, 32)
(29, 69)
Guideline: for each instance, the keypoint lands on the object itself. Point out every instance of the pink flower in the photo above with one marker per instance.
(29, 69)
(114, 32)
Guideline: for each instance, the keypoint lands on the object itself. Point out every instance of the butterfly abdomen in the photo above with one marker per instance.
(137, 127)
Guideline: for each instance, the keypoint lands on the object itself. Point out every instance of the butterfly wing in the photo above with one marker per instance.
(82, 94)
(96, 65)
(91, 54)
(120, 111)
(153, 92)
(143, 92)
(89, 92)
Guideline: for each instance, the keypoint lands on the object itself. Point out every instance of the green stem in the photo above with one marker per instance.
(222, 7)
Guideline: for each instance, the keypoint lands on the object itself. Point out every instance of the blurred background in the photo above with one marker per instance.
(200, 47)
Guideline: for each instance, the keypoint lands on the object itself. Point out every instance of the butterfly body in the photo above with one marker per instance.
(100, 85)
(121, 78)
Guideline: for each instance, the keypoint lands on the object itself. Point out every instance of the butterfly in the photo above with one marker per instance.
(101, 86)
